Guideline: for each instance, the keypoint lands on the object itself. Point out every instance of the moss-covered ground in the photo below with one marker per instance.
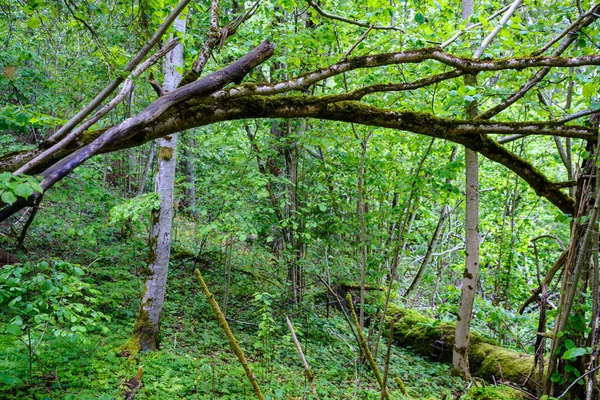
(194, 360)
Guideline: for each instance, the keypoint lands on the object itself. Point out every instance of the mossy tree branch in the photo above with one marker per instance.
(365, 347)
(192, 106)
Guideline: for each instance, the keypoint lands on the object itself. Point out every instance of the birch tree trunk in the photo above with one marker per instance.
(146, 330)
(460, 355)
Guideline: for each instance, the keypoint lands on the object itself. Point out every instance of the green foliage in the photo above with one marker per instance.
(135, 208)
(48, 296)
(12, 187)
(494, 393)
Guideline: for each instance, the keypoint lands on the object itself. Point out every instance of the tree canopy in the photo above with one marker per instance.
(320, 141)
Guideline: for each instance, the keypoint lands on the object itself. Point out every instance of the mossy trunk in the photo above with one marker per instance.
(436, 340)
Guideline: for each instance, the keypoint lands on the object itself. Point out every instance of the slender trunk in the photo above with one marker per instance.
(460, 355)
(460, 359)
(146, 330)
(363, 234)
(432, 245)
(189, 197)
(149, 163)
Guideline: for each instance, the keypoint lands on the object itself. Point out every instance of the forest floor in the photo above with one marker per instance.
(194, 360)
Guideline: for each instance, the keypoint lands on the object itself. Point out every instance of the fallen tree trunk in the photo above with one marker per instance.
(435, 340)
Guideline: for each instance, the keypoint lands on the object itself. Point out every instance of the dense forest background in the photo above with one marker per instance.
(377, 199)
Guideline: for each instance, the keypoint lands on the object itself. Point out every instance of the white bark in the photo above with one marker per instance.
(160, 235)
(460, 354)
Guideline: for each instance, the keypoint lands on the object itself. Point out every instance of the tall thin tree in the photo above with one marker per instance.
(146, 330)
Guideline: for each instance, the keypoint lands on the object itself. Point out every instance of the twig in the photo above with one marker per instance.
(232, 341)
(309, 374)
(577, 380)
(365, 348)
(360, 39)
(349, 21)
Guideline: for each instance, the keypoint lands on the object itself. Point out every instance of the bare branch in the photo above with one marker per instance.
(486, 42)
(579, 115)
(111, 87)
(465, 65)
(571, 29)
(471, 27)
(584, 21)
(510, 138)
(211, 41)
(113, 103)
(324, 13)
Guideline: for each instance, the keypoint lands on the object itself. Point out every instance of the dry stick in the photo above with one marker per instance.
(133, 384)
(309, 374)
(117, 81)
(365, 347)
(34, 211)
(575, 382)
(337, 297)
(232, 341)
(113, 103)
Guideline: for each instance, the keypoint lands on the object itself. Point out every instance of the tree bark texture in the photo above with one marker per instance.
(460, 364)
(147, 325)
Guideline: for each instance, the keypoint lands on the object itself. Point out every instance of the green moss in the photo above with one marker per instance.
(486, 357)
(143, 337)
(433, 339)
(152, 249)
(494, 393)
(165, 153)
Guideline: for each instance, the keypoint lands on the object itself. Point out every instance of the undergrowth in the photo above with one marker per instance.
(194, 361)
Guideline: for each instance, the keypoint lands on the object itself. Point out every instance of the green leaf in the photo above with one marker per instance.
(419, 18)
(23, 190)
(588, 89)
(13, 329)
(8, 197)
(10, 380)
(34, 22)
(574, 353)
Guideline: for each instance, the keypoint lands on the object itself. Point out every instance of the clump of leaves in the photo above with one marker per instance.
(134, 208)
(48, 297)
(12, 187)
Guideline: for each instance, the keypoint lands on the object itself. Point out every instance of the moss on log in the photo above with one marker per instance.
(435, 340)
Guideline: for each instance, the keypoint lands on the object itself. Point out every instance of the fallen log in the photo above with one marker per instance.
(487, 360)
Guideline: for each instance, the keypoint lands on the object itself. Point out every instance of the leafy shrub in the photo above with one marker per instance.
(48, 297)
